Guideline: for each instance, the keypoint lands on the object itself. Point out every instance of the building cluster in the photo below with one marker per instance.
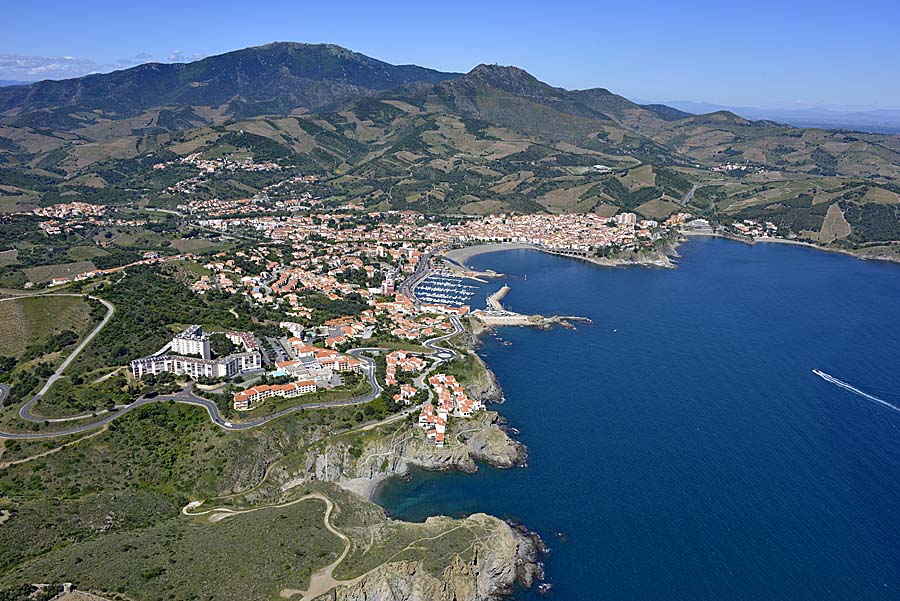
(401, 361)
(64, 218)
(739, 168)
(208, 167)
(216, 207)
(309, 368)
(755, 229)
(451, 400)
(149, 259)
(565, 232)
(69, 210)
(251, 397)
(189, 354)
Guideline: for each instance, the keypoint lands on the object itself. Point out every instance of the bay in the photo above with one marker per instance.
(681, 447)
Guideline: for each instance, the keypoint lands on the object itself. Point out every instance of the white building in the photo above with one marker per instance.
(192, 341)
(191, 356)
(246, 399)
(195, 367)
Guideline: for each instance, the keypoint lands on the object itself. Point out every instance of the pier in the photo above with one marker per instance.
(494, 299)
(497, 315)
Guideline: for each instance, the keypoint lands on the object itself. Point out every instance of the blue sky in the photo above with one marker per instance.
(764, 53)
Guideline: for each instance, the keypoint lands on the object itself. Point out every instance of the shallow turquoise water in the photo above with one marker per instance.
(680, 447)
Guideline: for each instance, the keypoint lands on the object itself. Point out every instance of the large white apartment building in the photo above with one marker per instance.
(223, 367)
(192, 341)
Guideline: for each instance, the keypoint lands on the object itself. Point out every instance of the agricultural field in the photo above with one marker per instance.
(44, 273)
(187, 245)
(31, 320)
(8, 257)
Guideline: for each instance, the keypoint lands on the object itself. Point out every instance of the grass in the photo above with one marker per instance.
(85, 253)
(193, 244)
(8, 257)
(657, 209)
(245, 557)
(14, 204)
(26, 321)
(189, 268)
(45, 273)
(105, 513)
(834, 226)
(18, 450)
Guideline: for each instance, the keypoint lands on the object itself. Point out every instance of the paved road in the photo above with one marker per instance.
(25, 411)
(689, 195)
(4, 392)
(423, 268)
(189, 398)
(443, 353)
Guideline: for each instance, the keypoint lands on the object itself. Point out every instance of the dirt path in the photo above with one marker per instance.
(321, 581)
(109, 375)
(6, 464)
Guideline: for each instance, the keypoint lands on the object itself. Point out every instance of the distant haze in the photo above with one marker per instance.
(872, 120)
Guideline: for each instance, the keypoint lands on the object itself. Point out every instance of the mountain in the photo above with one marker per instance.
(275, 78)
(12, 82)
(494, 139)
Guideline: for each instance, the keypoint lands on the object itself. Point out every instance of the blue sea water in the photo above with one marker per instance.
(680, 448)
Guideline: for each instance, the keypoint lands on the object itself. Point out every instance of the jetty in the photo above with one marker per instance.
(497, 315)
(494, 299)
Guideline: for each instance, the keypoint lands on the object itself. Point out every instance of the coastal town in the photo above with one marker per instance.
(367, 302)
(343, 277)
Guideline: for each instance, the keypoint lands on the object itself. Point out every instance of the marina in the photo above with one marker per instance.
(444, 290)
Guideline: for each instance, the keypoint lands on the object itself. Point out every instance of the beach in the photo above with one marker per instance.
(461, 255)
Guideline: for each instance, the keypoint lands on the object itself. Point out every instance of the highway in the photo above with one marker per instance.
(187, 396)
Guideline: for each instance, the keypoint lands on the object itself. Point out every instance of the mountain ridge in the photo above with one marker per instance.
(276, 77)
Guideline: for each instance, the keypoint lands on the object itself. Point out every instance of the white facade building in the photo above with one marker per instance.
(193, 341)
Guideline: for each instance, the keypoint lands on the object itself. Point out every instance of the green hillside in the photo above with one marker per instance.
(494, 139)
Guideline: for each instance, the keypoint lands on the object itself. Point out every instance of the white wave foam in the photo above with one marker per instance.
(831, 379)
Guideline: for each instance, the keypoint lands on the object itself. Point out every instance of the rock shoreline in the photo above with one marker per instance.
(509, 559)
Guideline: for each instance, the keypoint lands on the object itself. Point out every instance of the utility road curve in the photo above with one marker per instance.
(189, 398)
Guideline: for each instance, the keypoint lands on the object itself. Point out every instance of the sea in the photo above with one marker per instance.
(681, 447)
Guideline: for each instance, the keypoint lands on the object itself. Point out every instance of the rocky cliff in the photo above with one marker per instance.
(504, 559)
(360, 462)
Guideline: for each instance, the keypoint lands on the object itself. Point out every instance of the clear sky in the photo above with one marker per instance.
(825, 52)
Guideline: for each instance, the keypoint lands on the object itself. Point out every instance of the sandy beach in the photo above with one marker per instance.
(461, 255)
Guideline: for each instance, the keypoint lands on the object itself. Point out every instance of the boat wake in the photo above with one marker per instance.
(840, 383)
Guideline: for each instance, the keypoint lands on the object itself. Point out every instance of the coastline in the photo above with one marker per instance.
(461, 255)
(643, 259)
(659, 259)
(769, 240)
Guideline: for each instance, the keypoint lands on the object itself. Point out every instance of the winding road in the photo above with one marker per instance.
(25, 411)
(189, 398)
